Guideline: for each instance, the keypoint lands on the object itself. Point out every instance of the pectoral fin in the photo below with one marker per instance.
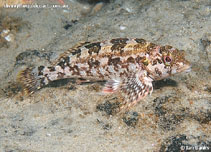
(132, 88)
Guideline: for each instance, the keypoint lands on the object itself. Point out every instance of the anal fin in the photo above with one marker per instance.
(111, 86)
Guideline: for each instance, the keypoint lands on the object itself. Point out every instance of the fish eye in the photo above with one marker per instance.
(167, 60)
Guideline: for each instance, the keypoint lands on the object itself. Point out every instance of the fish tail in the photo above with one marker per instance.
(30, 80)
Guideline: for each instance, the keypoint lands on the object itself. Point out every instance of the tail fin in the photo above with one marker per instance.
(29, 80)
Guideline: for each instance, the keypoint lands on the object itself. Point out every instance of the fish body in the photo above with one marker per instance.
(128, 65)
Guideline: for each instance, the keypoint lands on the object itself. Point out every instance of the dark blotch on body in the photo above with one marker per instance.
(40, 68)
(151, 46)
(60, 75)
(119, 41)
(93, 48)
(75, 70)
(114, 61)
(141, 41)
(93, 63)
(154, 62)
(159, 61)
(162, 49)
(51, 69)
(157, 71)
(119, 44)
(64, 62)
(131, 60)
(138, 59)
(77, 52)
(42, 81)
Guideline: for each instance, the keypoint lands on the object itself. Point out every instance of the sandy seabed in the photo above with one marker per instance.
(75, 118)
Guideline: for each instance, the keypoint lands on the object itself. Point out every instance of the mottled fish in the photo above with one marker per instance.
(128, 65)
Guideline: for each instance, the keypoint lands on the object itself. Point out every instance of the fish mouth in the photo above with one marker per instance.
(186, 68)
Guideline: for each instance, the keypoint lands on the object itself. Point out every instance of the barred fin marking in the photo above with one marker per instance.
(111, 86)
(34, 78)
(136, 88)
(132, 88)
(29, 81)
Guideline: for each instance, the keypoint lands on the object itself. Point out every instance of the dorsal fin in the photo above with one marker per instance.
(70, 51)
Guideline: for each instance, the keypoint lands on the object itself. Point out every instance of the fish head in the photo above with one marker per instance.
(167, 61)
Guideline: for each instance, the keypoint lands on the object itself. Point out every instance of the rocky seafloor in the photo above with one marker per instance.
(68, 117)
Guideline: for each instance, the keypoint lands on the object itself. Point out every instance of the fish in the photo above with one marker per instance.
(128, 65)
